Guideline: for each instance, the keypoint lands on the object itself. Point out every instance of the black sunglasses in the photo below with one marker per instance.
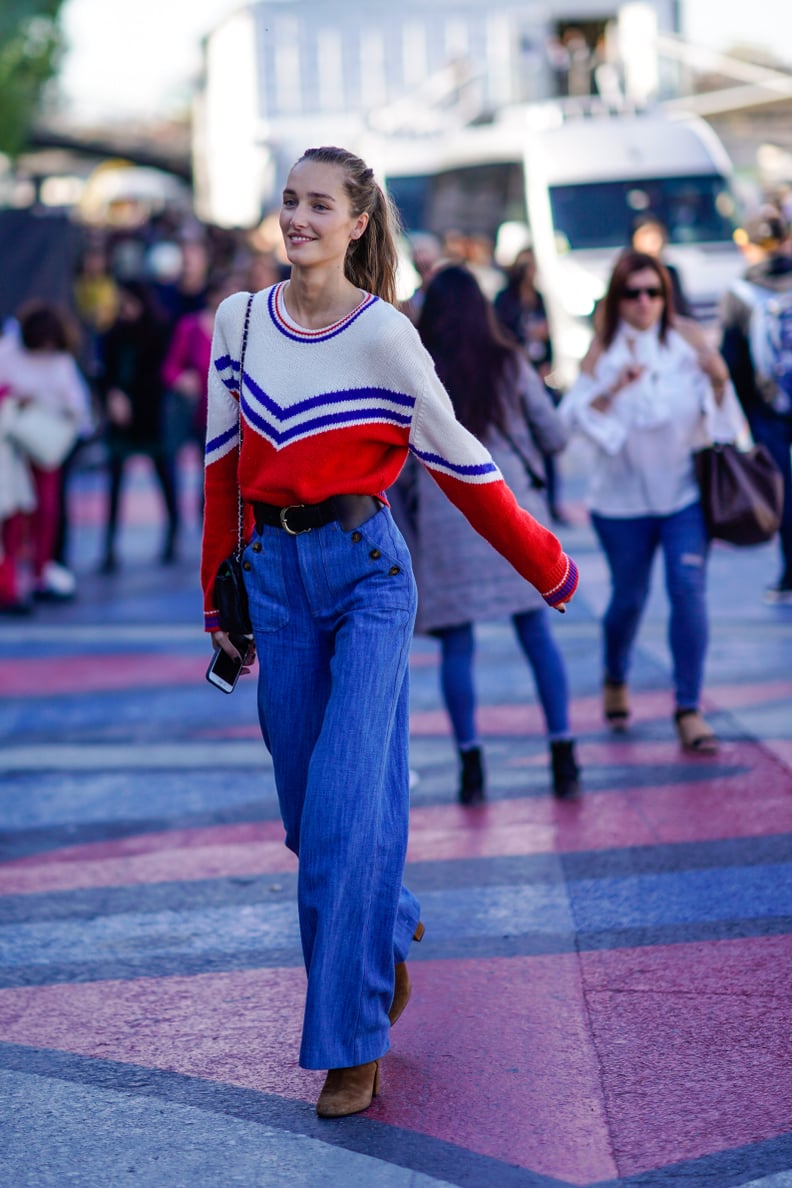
(651, 291)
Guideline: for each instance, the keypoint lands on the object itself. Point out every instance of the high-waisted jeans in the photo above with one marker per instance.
(332, 615)
(630, 545)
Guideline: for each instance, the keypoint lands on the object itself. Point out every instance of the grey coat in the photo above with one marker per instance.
(460, 576)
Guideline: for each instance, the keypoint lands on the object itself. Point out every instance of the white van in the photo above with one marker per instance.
(573, 181)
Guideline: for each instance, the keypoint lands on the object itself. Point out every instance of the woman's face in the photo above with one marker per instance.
(641, 303)
(316, 218)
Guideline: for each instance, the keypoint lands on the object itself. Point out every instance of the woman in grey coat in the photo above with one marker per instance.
(461, 579)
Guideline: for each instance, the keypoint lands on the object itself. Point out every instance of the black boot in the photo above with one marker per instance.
(471, 787)
(566, 773)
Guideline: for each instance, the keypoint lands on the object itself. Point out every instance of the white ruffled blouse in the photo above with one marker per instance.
(644, 442)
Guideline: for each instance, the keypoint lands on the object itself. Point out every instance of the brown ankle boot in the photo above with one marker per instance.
(349, 1090)
(402, 987)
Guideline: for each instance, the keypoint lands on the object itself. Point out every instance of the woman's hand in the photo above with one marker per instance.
(188, 384)
(119, 408)
(628, 375)
(221, 639)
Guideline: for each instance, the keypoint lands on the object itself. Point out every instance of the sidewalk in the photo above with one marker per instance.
(603, 993)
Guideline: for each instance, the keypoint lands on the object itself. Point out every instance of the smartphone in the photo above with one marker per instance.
(223, 671)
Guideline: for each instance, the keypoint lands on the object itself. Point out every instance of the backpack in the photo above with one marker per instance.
(770, 339)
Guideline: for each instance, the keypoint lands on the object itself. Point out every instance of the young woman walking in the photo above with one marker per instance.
(336, 388)
(650, 392)
(500, 398)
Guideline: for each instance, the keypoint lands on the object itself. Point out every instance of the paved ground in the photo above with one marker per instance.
(603, 993)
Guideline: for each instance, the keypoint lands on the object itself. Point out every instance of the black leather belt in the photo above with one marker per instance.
(349, 510)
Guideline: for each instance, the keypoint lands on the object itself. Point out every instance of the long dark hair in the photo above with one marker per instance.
(472, 356)
(371, 261)
(43, 326)
(628, 263)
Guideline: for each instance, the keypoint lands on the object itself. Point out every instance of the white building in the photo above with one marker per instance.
(281, 74)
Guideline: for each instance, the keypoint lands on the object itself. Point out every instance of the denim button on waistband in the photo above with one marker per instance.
(375, 554)
(394, 569)
(356, 536)
(256, 546)
(246, 565)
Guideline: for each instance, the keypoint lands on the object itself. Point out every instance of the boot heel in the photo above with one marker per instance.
(419, 931)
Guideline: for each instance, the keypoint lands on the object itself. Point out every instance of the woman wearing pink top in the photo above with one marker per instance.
(184, 374)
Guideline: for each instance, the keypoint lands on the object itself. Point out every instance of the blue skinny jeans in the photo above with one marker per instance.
(630, 545)
(332, 615)
(457, 647)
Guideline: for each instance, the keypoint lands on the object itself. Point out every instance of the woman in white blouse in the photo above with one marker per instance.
(651, 391)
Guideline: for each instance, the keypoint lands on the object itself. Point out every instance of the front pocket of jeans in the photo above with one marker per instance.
(266, 586)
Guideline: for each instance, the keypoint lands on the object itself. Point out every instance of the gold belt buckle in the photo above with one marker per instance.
(283, 513)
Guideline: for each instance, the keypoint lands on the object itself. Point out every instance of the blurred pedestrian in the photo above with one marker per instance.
(756, 320)
(186, 292)
(480, 258)
(263, 271)
(132, 355)
(426, 252)
(521, 309)
(650, 235)
(499, 397)
(37, 371)
(335, 389)
(651, 390)
(95, 293)
(184, 375)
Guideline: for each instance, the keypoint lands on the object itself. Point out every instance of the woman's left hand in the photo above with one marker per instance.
(221, 639)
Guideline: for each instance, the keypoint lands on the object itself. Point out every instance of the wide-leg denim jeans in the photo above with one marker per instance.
(630, 544)
(333, 615)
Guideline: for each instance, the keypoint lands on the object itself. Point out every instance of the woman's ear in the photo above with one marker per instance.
(360, 226)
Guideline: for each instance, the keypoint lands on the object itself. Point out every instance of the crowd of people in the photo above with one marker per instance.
(125, 366)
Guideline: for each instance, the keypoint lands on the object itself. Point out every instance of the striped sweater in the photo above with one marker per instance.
(335, 411)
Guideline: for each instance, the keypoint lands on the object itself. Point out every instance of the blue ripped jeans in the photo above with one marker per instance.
(332, 615)
(630, 545)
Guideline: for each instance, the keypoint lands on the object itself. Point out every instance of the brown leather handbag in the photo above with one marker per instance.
(742, 493)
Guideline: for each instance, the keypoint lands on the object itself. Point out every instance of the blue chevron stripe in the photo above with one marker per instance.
(481, 468)
(225, 361)
(328, 421)
(223, 439)
(323, 399)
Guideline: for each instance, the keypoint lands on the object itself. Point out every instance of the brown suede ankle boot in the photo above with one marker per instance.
(402, 987)
(349, 1090)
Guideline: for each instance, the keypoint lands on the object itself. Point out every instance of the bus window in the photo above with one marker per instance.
(602, 214)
